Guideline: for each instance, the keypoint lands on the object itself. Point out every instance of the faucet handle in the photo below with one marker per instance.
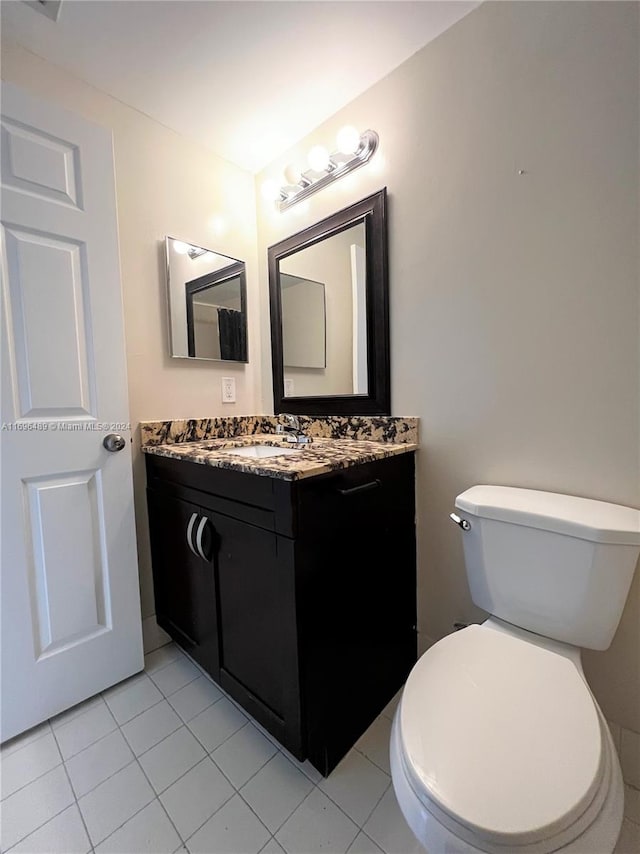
(292, 420)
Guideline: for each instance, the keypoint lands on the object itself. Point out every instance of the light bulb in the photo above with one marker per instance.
(180, 247)
(318, 158)
(292, 174)
(270, 191)
(348, 140)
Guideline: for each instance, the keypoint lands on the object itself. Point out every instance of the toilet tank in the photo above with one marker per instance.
(557, 565)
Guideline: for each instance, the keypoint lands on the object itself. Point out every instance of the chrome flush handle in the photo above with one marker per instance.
(462, 523)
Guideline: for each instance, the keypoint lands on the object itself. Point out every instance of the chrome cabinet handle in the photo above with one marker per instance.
(113, 442)
(462, 523)
(199, 533)
(192, 521)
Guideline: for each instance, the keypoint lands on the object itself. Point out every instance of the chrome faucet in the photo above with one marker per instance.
(293, 430)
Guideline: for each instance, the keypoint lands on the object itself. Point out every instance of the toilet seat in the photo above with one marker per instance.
(501, 740)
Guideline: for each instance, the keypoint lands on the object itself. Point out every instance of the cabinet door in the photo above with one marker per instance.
(258, 643)
(356, 572)
(184, 582)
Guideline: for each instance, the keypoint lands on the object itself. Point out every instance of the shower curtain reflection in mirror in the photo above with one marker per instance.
(215, 322)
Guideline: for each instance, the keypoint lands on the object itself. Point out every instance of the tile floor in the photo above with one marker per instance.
(165, 762)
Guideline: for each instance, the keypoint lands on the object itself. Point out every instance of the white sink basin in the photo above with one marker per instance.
(261, 451)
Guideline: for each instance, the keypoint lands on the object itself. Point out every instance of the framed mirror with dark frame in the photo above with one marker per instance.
(328, 287)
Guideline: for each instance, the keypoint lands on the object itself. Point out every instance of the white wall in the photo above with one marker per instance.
(514, 297)
(165, 185)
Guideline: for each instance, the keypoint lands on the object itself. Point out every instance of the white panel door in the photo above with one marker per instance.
(69, 597)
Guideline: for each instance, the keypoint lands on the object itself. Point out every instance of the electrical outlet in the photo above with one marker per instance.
(288, 388)
(228, 389)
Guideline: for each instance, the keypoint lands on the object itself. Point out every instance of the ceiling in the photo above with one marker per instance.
(246, 79)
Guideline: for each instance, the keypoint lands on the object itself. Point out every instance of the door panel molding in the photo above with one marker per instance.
(40, 164)
(49, 325)
(68, 558)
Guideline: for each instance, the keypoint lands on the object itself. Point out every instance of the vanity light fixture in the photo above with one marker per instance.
(354, 150)
(186, 249)
(195, 252)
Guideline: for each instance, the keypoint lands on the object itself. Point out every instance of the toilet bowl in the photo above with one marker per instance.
(498, 744)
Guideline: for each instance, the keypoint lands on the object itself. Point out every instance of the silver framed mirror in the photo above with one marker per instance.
(207, 302)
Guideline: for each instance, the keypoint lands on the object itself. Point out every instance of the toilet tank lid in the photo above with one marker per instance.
(597, 521)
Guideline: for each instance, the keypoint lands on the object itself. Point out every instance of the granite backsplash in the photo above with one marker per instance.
(381, 428)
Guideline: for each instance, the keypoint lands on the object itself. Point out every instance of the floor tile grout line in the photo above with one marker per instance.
(90, 702)
(80, 715)
(188, 658)
(86, 747)
(162, 667)
(372, 841)
(162, 806)
(281, 825)
(73, 792)
(4, 748)
(35, 741)
(295, 762)
(35, 780)
(137, 715)
(183, 724)
(208, 755)
(373, 762)
(39, 827)
(202, 758)
(120, 826)
(342, 809)
(377, 804)
(51, 817)
(166, 696)
(164, 737)
(209, 752)
(215, 812)
(84, 794)
(102, 738)
(117, 726)
(222, 771)
(197, 713)
(235, 792)
(359, 826)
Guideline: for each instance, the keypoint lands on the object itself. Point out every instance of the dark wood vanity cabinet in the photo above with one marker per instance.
(184, 586)
(297, 597)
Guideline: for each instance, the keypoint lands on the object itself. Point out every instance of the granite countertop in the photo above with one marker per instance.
(318, 457)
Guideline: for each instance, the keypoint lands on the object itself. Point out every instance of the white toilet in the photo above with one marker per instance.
(498, 745)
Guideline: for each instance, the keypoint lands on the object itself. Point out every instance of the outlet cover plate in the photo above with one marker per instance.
(228, 389)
